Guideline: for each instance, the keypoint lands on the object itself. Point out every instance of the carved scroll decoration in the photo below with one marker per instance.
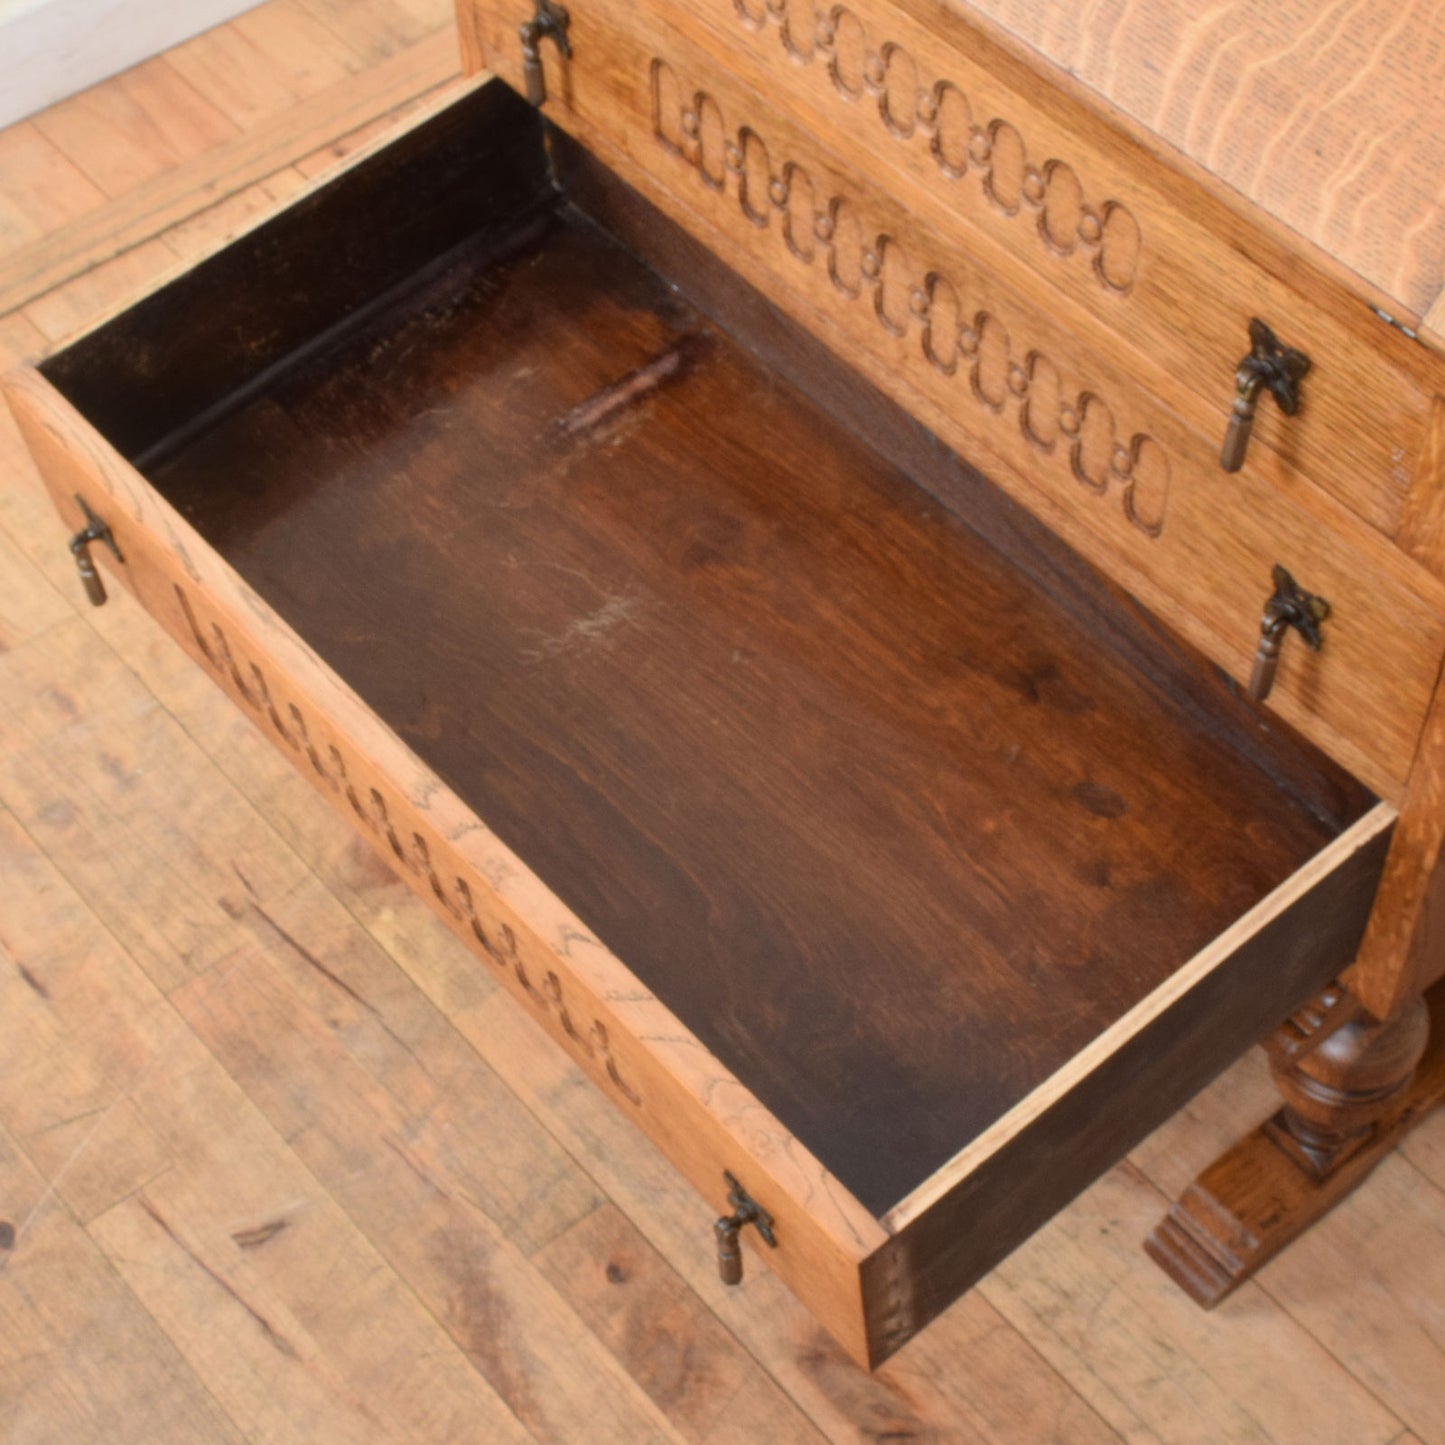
(955, 339)
(378, 814)
(941, 116)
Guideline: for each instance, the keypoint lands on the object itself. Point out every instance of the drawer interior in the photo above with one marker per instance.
(884, 794)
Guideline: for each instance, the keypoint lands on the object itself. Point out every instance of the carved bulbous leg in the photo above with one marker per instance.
(1352, 1086)
(1338, 1093)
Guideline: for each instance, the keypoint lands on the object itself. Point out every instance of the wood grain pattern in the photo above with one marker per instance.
(1259, 1196)
(525, 684)
(148, 122)
(676, 1349)
(1158, 656)
(233, 1295)
(1305, 931)
(1403, 951)
(61, 1310)
(1327, 118)
(1172, 1369)
(864, 286)
(1422, 521)
(924, 101)
(263, 1020)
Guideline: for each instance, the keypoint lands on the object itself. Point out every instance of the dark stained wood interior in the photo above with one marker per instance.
(891, 828)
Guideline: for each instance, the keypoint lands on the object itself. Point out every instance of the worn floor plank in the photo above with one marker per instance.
(1079, 1289)
(665, 1336)
(122, 135)
(178, 185)
(83, 1361)
(254, 1271)
(950, 1384)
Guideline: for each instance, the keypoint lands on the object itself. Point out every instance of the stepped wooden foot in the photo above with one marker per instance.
(1353, 1087)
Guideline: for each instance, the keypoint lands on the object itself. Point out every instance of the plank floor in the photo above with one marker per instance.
(278, 1164)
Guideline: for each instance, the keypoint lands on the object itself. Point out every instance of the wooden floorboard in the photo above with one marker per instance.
(153, 181)
(280, 1164)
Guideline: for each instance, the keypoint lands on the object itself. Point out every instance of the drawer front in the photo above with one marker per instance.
(1042, 192)
(633, 1048)
(1002, 375)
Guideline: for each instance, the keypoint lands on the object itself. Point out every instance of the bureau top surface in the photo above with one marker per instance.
(1329, 117)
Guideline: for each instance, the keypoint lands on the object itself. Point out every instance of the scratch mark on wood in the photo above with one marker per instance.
(675, 362)
(272, 1334)
(29, 979)
(261, 1234)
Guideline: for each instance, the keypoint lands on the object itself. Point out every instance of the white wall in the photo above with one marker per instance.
(52, 48)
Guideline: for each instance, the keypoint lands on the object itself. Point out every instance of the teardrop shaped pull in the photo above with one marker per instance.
(80, 544)
(746, 1210)
(549, 22)
(1272, 367)
(1290, 607)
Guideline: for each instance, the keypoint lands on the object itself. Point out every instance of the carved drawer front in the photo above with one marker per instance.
(1003, 371)
(893, 893)
(1148, 262)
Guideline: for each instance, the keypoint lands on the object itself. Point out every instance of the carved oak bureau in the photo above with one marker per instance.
(894, 599)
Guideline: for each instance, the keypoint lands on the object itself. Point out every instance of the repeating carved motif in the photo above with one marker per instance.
(956, 339)
(941, 116)
(412, 854)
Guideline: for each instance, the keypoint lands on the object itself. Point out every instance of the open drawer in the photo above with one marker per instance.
(903, 873)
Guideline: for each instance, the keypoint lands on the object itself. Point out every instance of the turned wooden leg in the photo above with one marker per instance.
(1352, 1085)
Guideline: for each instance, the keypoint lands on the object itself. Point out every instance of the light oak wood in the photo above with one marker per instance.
(1402, 950)
(150, 121)
(269, 1015)
(44, 187)
(1422, 522)
(269, 1296)
(61, 1311)
(1162, 274)
(1326, 117)
(1076, 1278)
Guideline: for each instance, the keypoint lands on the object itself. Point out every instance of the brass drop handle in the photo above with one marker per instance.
(549, 22)
(746, 1210)
(1269, 367)
(94, 531)
(1290, 607)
